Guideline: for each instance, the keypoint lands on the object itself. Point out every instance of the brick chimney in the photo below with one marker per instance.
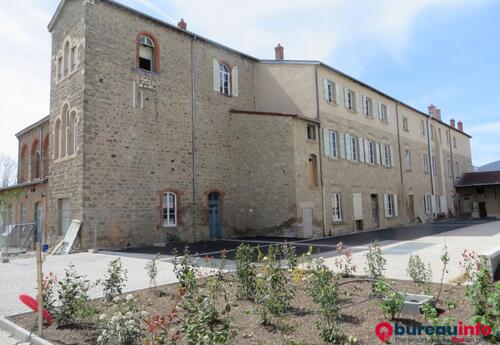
(182, 24)
(431, 109)
(434, 112)
(452, 123)
(460, 126)
(279, 52)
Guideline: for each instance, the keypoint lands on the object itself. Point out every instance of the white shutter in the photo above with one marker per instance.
(234, 81)
(444, 206)
(366, 145)
(381, 155)
(396, 211)
(326, 142)
(358, 98)
(216, 75)
(433, 204)
(341, 143)
(387, 114)
(380, 111)
(391, 149)
(357, 205)
(386, 205)
(363, 107)
(325, 89)
(337, 93)
(375, 106)
(348, 147)
(346, 103)
(361, 149)
(375, 152)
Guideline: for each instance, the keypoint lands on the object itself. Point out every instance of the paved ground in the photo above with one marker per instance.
(6, 339)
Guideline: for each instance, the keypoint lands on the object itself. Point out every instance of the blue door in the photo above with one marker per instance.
(214, 215)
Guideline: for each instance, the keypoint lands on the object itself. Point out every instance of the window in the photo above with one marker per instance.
(354, 149)
(36, 166)
(9, 218)
(383, 113)
(405, 124)
(73, 58)
(330, 91)
(331, 145)
(311, 132)
(368, 106)
(454, 142)
(370, 152)
(391, 205)
(447, 138)
(225, 86)
(74, 121)
(67, 133)
(428, 203)
(169, 210)
(59, 68)
(146, 53)
(433, 165)
(66, 59)
(57, 146)
(440, 136)
(24, 214)
(450, 168)
(425, 160)
(457, 173)
(350, 99)
(313, 170)
(408, 159)
(422, 128)
(386, 155)
(337, 207)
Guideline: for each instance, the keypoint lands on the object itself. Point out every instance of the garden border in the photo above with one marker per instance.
(20, 333)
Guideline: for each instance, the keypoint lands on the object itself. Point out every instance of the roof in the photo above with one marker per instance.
(201, 38)
(25, 184)
(34, 125)
(270, 113)
(479, 178)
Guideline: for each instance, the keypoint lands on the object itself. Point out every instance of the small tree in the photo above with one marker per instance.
(115, 279)
(375, 261)
(417, 270)
(152, 269)
(8, 171)
(246, 271)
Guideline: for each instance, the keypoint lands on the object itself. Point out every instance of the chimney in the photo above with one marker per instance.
(279, 52)
(460, 126)
(182, 24)
(452, 123)
(431, 109)
(437, 114)
(434, 112)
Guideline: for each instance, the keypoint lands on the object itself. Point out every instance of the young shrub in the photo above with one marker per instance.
(152, 270)
(323, 288)
(273, 290)
(391, 301)
(343, 262)
(445, 260)
(245, 271)
(375, 261)
(126, 325)
(49, 282)
(185, 271)
(289, 254)
(73, 299)
(417, 270)
(115, 279)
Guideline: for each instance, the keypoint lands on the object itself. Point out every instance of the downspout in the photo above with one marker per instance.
(429, 146)
(320, 146)
(40, 164)
(455, 201)
(400, 154)
(193, 127)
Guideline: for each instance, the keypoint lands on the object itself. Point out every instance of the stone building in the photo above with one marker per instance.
(156, 132)
(479, 194)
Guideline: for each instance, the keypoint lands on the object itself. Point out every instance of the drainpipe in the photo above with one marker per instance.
(455, 201)
(40, 163)
(429, 146)
(193, 126)
(320, 146)
(399, 151)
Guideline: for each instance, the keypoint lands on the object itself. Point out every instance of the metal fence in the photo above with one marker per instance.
(16, 239)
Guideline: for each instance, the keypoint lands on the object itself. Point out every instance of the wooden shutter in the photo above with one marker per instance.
(391, 163)
(326, 142)
(361, 147)
(433, 204)
(234, 81)
(357, 205)
(444, 206)
(325, 90)
(346, 103)
(386, 205)
(341, 143)
(375, 153)
(396, 211)
(216, 75)
(357, 99)
(381, 155)
(348, 147)
(337, 93)
(387, 113)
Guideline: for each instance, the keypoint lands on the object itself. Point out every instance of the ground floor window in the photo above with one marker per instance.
(337, 207)
(391, 205)
(169, 209)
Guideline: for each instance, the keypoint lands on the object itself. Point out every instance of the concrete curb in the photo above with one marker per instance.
(20, 333)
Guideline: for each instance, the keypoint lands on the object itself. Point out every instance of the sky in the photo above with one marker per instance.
(444, 52)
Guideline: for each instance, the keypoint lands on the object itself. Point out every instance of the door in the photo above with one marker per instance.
(307, 220)
(214, 215)
(482, 210)
(357, 205)
(411, 208)
(375, 210)
(39, 221)
(64, 215)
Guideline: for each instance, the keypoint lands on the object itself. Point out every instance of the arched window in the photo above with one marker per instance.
(67, 61)
(74, 132)
(57, 139)
(146, 53)
(35, 160)
(169, 209)
(45, 156)
(23, 174)
(225, 85)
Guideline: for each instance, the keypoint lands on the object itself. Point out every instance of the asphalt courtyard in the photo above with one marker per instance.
(324, 246)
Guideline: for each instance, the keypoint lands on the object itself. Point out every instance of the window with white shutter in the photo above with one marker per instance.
(390, 205)
(337, 207)
(370, 152)
(354, 148)
(383, 113)
(434, 168)
(331, 144)
(367, 106)
(425, 162)
(350, 99)
(329, 91)
(234, 82)
(407, 159)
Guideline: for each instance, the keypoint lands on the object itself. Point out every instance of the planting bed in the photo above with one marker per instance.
(298, 326)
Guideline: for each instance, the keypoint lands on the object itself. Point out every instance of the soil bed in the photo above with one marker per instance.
(357, 320)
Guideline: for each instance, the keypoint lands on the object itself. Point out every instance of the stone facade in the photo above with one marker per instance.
(253, 162)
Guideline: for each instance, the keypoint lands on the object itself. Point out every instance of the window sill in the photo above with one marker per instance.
(66, 158)
(145, 72)
(63, 78)
(312, 141)
(332, 158)
(331, 103)
(338, 222)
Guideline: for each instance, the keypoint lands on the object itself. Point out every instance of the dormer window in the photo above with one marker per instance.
(225, 87)
(146, 53)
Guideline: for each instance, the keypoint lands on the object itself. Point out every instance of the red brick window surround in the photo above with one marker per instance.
(147, 52)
